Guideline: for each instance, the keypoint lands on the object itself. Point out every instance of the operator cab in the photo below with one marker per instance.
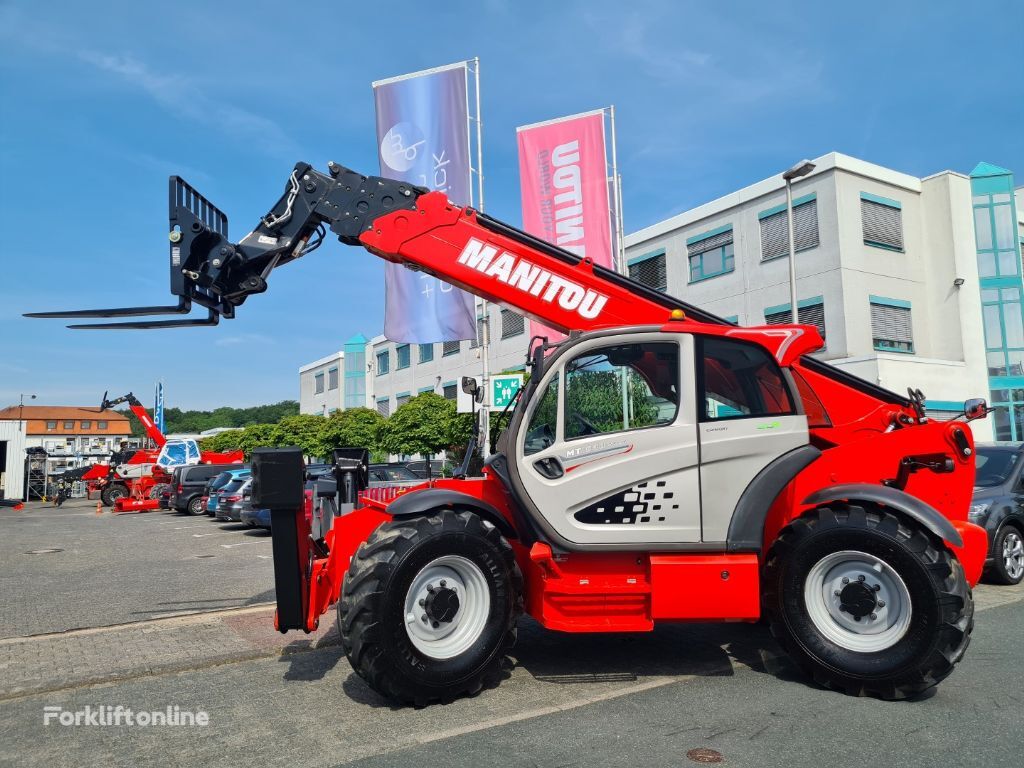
(179, 452)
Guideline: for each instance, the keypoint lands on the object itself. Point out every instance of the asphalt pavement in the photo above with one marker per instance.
(273, 700)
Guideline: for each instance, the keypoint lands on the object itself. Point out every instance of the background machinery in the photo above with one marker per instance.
(737, 477)
(135, 479)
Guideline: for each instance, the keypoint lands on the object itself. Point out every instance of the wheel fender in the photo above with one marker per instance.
(911, 506)
(426, 501)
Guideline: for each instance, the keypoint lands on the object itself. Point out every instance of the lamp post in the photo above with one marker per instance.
(800, 169)
(21, 410)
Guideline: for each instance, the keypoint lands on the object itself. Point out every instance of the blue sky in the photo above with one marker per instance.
(102, 101)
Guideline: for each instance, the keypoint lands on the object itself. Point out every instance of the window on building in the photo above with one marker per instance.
(450, 348)
(401, 399)
(426, 353)
(994, 233)
(891, 329)
(383, 362)
(512, 324)
(69, 425)
(775, 228)
(595, 402)
(318, 383)
(710, 255)
(882, 222)
(650, 270)
(450, 391)
(384, 406)
(811, 312)
(86, 424)
(740, 380)
(1004, 330)
(101, 425)
(403, 356)
(332, 378)
(51, 425)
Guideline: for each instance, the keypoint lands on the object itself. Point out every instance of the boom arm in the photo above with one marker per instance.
(422, 230)
(141, 414)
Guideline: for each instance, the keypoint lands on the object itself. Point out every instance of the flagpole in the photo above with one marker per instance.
(485, 329)
(620, 245)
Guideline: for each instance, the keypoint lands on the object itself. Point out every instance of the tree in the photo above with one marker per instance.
(303, 430)
(351, 428)
(427, 424)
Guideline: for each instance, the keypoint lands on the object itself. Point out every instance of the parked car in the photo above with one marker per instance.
(229, 502)
(392, 473)
(256, 518)
(218, 482)
(188, 483)
(998, 506)
(438, 468)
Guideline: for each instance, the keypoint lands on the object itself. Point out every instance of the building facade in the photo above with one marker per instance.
(72, 437)
(906, 278)
(319, 385)
(912, 282)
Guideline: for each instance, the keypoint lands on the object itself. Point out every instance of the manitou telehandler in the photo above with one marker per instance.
(731, 477)
(136, 481)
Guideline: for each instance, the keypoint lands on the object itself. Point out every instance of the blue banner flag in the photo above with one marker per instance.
(158, 408)
(423, 138)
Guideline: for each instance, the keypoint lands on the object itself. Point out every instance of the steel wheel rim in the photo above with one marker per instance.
(458, 633)
(1013, 554)
(877, 630)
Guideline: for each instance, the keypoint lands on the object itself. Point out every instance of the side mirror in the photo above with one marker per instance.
(975, 408)
(472, 388)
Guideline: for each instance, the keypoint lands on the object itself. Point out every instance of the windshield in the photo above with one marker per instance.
(220, 481)
(395, 474)
(994, 466)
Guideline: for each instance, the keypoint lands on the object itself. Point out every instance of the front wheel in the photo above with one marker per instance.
(429, 607)
(867, 603)
(111, 493)
(195, 505)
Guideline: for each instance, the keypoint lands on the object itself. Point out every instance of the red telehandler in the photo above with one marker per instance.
(136, 480)
(738, 477)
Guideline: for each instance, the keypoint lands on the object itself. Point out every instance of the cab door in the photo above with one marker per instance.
(609, 453)
(748, 418)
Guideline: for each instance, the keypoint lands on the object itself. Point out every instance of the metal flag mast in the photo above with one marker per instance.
(485, 320)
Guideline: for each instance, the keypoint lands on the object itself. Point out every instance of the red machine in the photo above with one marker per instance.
(662, 464)
(133, 481)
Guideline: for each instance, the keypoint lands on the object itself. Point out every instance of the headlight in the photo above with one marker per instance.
(978, 512)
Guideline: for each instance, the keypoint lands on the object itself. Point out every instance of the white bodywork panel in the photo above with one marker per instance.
(732, 452)
(649, 477)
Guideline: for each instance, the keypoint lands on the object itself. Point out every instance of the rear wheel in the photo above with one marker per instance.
(1008, 556)
(195, 505)
(867, 603)
(429, 607)
(111, 493)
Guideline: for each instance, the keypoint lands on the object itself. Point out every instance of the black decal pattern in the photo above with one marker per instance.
(643, 503)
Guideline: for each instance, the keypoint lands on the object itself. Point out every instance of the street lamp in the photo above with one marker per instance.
(21, 410)
(800, 169)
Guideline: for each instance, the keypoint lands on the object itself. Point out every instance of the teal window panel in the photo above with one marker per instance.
(781, 208)
(886, 201)
(403, 357)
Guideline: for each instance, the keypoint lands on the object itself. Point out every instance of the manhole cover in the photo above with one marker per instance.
(43, 551)
(704, 755)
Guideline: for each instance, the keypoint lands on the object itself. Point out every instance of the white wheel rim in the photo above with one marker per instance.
(433, 632)
(1013, 555)
(881, 627)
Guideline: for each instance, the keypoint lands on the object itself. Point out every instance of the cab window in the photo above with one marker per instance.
(621, 387)
(540, 433)
(740, 380)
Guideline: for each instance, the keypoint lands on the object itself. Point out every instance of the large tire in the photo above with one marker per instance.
(111, 493)
(453, 653)
(156, 490)
(830, 626)
(1007, 556)
(195, 505)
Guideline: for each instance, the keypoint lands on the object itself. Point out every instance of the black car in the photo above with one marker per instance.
(392, 473)
(438, 468)
(998, 506)
(189, 483)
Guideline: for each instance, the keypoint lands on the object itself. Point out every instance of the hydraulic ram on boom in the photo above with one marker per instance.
(726, 471)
